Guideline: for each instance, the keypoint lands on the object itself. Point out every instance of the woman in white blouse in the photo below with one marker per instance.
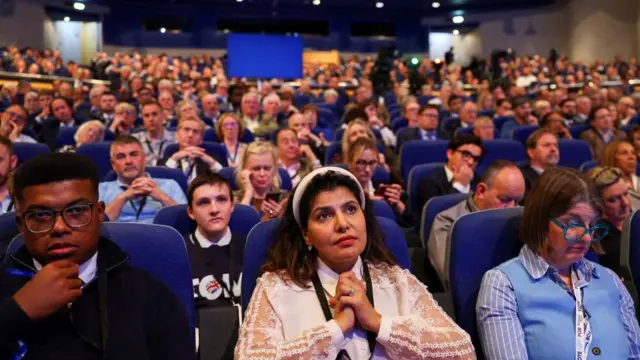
(331, 290)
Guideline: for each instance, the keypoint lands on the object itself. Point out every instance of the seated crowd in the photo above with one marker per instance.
(322, 162)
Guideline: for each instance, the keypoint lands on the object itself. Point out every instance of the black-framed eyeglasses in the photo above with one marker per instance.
(365, 163)
(42, 220)
(466, 155)
(573, 232)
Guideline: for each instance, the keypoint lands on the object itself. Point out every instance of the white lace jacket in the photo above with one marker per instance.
(284, 321)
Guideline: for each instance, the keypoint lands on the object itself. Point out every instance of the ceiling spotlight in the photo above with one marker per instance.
(435, 5)
(379, 4)
(239, 0)
(67, 19)
(458, 19)
(78, 6)
(316, 2)
(456, 32)
(163, 30)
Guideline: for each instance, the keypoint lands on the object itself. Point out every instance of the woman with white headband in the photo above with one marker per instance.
(331, 290)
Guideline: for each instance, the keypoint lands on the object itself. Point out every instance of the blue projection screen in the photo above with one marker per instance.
(264, 56)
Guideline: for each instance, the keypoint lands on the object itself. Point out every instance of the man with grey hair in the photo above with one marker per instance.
(330, 96)
(210, 109)
(501, 186)
(124, 120)
(583, 109)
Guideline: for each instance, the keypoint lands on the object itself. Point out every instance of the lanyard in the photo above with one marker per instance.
(207, 264)
(138, 211)
(322, 298)
(153, 153)
(189, 169)
(235, 154)
(583, 328)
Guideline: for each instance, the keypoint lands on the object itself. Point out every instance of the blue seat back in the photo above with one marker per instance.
(262, 237)
(65, 136)
(214, 150)
(99, 153)
(573, 153)
(577, 130)
(211, 136)
(479, 242)
(382, 209)
(229, 174)
(489, 112)
(432, 208)
(26, 151)
(588, 165)
(243, 218)
(159, 172)
(157, 249)
(499, 121)
(501, 149)
(522, 133)
(418, 173)
(418, 152)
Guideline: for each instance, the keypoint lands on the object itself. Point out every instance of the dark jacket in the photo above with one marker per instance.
(414, 134)
(145, 319)
(450, 127)
(530, 178)
(437, 185)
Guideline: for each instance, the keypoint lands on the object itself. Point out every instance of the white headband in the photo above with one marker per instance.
(302, 187)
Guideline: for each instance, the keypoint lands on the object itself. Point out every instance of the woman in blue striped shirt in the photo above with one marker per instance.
(551, 302)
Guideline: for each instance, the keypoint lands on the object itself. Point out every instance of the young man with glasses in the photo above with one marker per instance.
(457, 175)
(69, 293)
(12, 122)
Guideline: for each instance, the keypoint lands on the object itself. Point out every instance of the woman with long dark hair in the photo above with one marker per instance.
(332, 290)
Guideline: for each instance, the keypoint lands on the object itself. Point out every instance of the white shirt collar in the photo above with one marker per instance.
(634, 181)
(329, 278)
(88, 269)
(537, 169)
(448, 172)
(370, 189)
(205, 243)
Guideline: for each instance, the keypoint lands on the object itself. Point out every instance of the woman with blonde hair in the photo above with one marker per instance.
(187, 109)
(356, 129)
(622, 155)
(256, 176)
(88, 133)
(229, 130)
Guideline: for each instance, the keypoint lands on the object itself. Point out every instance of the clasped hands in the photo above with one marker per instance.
(350, 303)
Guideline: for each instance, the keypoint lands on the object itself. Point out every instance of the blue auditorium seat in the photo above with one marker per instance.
(229, 174)
(65, 137)
(588, 165)
(479, 242)
(499, 121)
(418, 152)
(424, 99)
(577, 130)
(432, 208)
(522, 133)
(399, 123)
(262, 237)
(243, 218)
(490, 113)
(462, 131)
(159, 172)
(99, 153)
(573, 153)
(26, 151)
(214, 150)
(416, 175)
(501, 149)
(327, 117)
(211, 136)
(382, 209)
(157, 249)
(301, 100)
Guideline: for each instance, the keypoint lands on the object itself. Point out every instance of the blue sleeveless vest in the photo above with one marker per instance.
(547, 314)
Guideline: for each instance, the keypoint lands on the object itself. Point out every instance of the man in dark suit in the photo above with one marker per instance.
(192, 159)
(427, 127)
(62, 110)
(463, 155)
(543, 153)
(468, 116)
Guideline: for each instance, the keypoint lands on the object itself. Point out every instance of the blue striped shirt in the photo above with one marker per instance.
(501, 333)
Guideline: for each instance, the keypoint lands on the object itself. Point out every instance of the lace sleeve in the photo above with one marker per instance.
(261, 335)
(428, 333)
